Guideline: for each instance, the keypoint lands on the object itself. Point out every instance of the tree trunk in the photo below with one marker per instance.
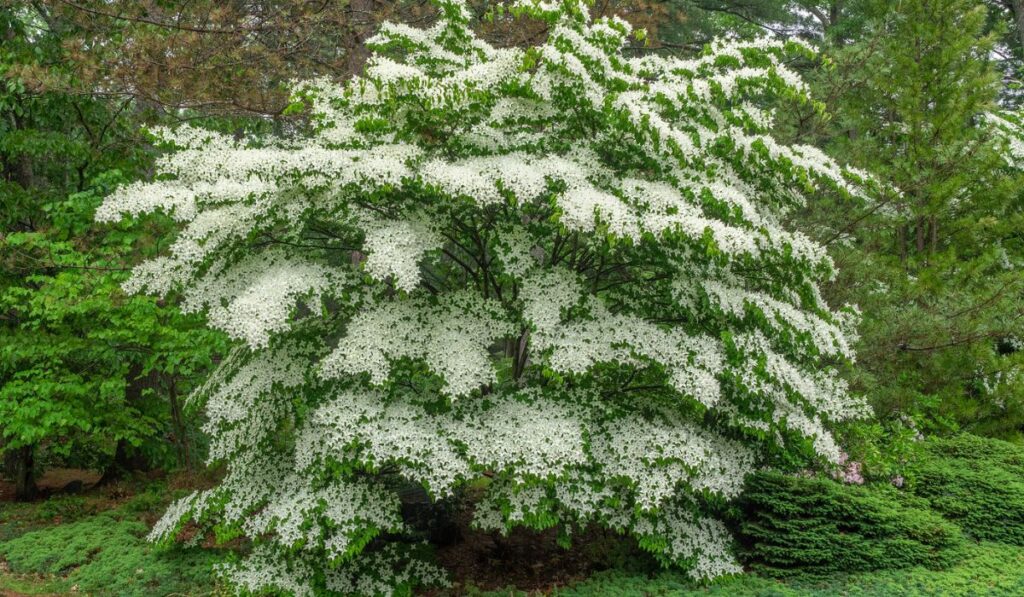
(901, 241)
(118, 467)
(178, 423)
(1017, 7)
(126, 459)
(833, 13)
(920, 234)
(9, 462)
(25, 488)
(362, 25)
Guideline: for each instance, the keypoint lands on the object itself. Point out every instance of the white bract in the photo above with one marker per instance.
(560, 267)
(1009, 127)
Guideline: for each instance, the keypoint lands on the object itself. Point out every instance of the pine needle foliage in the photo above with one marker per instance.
(793, 526)
(976, 482)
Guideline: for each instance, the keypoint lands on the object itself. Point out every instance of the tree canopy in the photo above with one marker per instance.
(555, 266)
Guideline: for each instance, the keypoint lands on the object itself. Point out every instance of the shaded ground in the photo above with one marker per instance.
(52, 481)
(531, 560)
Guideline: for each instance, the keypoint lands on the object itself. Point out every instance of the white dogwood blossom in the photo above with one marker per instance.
(1009, 127)
(451, 334)
(394, 249)
(562, 269)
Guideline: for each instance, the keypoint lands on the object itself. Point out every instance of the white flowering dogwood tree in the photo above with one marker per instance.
(558, 267)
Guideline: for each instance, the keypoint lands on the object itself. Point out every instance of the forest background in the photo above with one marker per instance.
(921, 93)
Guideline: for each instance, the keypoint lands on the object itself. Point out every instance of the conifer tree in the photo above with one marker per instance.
(916, 105)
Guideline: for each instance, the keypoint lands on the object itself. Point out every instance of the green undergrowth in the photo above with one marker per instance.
(17, 519)
(73, 545)
(799, 536)
(989, 569)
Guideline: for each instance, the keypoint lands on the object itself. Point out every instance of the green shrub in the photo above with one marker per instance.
(976, 482)
(65, 508)
(153, 499)
(108, 555)
(796, 525)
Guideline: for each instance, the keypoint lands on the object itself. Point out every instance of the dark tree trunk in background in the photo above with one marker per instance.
(25, 488)
(933, 227)
(834, 12)
(921, 235)
(361, 27)
(1017, 8)
(179, 429)
(7, 463)
(126, 458)
(902, 232)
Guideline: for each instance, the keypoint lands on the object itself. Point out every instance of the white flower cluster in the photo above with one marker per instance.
(689, 537)
(824, 336)
(1009, 127)
(564, 269)
(451, 335)
(579, 345)
(254, 299)
(376, 573)
(395, 247)
(246, 400)
(659, 454)
(524, 436)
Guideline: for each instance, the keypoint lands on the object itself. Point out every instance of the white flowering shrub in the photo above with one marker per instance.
(558, 266)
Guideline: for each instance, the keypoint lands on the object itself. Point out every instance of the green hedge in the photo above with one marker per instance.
(796, 525)
(976, 482)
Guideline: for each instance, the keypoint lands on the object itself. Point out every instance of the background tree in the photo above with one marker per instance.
(910, 98)
(82, 366)
(238, 57)
(217, 57)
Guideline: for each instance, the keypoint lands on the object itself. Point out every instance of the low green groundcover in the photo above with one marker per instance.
(990, 569)
(107, 554)
(799, 536)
